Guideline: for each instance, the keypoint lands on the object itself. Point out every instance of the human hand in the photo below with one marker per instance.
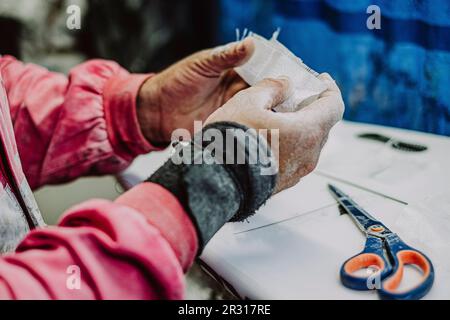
(302, 134)
(191, 90)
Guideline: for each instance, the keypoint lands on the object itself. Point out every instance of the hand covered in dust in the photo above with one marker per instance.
(302, 134)
(191, 90)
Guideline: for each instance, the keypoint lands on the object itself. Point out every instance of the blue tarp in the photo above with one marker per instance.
(396, 76)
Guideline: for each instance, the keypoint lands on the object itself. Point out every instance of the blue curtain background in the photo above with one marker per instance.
(397, 76)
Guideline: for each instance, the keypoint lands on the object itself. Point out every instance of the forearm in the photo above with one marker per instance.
(67, 127)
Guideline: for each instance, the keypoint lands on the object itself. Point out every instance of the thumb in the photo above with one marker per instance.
(268, 93)
(229, 56)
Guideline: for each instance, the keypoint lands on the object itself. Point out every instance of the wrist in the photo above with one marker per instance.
(120, 96)
(148, 110)
(212, 191)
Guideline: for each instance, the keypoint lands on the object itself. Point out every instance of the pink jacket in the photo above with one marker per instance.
(137, 247)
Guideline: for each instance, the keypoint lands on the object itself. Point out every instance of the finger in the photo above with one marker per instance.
(328, 109)
(268, 93)
(325, 111)
(229, 56)
(330, 83)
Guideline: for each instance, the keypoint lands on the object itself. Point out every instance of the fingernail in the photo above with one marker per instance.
(327, 76)
(241, 47)
(223, 48)
(245, 44)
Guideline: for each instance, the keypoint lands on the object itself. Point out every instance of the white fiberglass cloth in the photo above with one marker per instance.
(273, 60)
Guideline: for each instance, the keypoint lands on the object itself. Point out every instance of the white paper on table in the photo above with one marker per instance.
(407, 176)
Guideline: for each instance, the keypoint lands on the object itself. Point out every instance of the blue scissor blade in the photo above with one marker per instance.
(362, 218)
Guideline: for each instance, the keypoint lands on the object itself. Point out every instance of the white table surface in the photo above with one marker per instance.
(294, 246)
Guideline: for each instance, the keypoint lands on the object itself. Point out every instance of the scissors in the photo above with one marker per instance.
(385, 252)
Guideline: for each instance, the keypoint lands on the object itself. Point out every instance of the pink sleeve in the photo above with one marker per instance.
(105, 250)
(66, 127)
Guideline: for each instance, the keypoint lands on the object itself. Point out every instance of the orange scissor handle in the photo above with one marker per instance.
(371, 257)
(363, 261)
(409, 256)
